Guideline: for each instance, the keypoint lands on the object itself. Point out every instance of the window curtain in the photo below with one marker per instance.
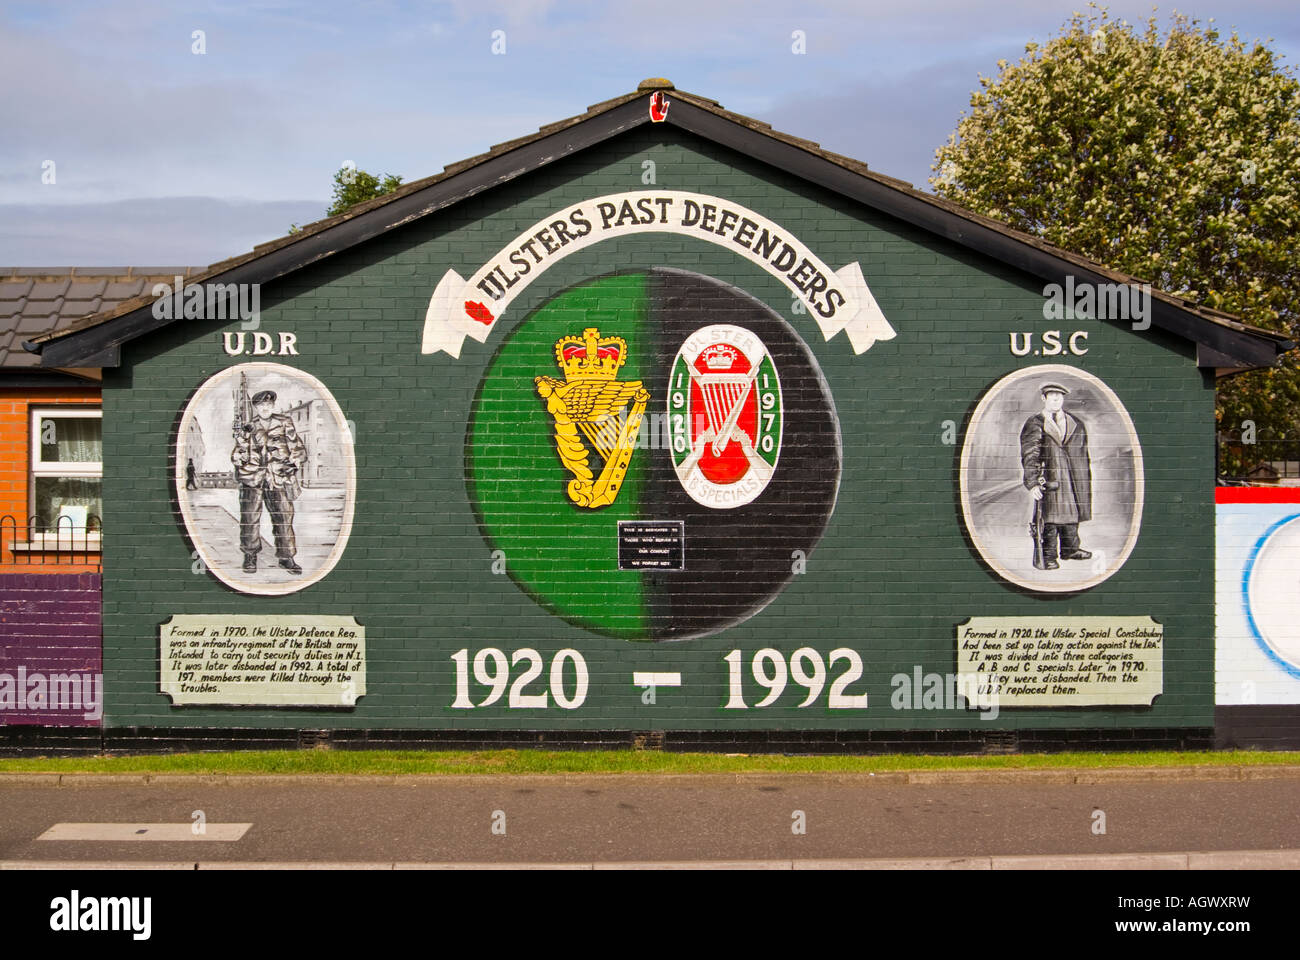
(75, 440)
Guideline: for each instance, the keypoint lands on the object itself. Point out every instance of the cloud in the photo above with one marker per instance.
(288, 90)
(172, 231)
(893, 126)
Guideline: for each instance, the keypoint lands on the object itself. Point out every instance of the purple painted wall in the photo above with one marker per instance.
(51, 670)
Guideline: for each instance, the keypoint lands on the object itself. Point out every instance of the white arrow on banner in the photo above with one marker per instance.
(867, 324)
(445, 323)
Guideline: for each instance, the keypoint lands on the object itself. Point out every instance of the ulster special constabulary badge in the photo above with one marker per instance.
(590, 403)
(724, 416)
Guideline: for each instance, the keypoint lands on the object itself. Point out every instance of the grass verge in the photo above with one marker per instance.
(441, 762)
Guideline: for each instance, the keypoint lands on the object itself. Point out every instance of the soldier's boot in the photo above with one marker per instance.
(1070, 548)
(1050, 539)
(250, 563)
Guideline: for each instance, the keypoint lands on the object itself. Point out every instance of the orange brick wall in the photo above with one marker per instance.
(15, 462)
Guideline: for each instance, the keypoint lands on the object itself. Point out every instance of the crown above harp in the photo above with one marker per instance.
(590, 356)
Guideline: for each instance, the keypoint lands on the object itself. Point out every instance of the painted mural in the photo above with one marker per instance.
(591, 403)
(609, 494)
(1051, 479)
(643, 496)
(1257, 609)
(265, 478)
(724, 416)
(839, 300)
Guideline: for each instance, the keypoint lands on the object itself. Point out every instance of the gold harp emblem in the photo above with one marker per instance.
(590, 403)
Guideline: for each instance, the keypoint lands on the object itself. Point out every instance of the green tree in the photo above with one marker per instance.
(1172, 157)
(353, 186)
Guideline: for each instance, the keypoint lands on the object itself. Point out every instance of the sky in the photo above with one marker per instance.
(182, 133)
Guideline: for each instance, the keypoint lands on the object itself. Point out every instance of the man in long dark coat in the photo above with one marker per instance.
(1057, 471)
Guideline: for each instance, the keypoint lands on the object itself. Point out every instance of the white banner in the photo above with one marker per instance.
(836, 299)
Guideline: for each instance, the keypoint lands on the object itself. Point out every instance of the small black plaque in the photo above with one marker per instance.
(652, 545)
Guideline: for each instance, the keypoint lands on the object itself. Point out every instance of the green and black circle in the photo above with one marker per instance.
(565, 556)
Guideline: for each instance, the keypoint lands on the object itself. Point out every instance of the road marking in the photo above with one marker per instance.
(172, 832)
(643, 678)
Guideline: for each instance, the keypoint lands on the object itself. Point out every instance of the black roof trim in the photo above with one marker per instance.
(1246, 348)
(98, 342)
(28, 378)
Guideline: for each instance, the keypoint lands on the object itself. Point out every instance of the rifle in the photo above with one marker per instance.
(243, 408)
(241, 427)
(1036, 523)
(1036, 529)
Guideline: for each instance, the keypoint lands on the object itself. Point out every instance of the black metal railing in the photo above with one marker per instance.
(38, 542)
(1262, 462)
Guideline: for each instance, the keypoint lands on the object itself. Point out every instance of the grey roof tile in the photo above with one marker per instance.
(16, 358)
(123, 289)
(49, 291)
(35, 301)
(163, 271)
(86, 289)
(39, 308)
(13, 289)
(30, 326)
(76, 309)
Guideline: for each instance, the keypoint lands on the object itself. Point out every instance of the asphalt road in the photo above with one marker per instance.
(662, 818)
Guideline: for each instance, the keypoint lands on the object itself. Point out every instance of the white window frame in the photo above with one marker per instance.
(88, 541)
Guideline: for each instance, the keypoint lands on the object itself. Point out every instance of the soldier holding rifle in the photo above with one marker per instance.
(1058, 475)
(269, 457)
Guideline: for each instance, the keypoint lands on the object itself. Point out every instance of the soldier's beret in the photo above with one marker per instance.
(267, 395)
(1054, 388)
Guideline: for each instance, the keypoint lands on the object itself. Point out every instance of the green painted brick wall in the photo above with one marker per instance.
(891, 577)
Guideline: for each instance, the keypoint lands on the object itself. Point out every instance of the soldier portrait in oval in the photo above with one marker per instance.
(265, 478)
(1051, 479)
